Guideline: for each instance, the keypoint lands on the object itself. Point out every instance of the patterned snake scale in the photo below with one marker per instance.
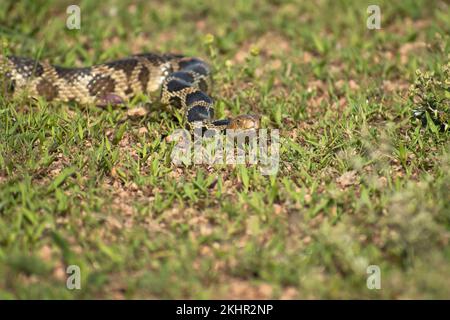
(184, 83)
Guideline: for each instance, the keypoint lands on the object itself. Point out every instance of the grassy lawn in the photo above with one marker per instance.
(360, 182)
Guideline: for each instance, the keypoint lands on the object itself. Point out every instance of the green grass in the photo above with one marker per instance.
(359, 183)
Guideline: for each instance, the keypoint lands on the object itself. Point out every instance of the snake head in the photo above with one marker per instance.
(244, 122)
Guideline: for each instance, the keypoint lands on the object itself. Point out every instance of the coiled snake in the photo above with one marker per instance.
(184, 83)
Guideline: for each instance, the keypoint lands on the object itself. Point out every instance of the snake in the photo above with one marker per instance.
(184, 83)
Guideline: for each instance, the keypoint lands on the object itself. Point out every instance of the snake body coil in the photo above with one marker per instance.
(184, 83)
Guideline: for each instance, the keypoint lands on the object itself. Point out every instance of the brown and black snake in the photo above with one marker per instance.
(184, 83)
